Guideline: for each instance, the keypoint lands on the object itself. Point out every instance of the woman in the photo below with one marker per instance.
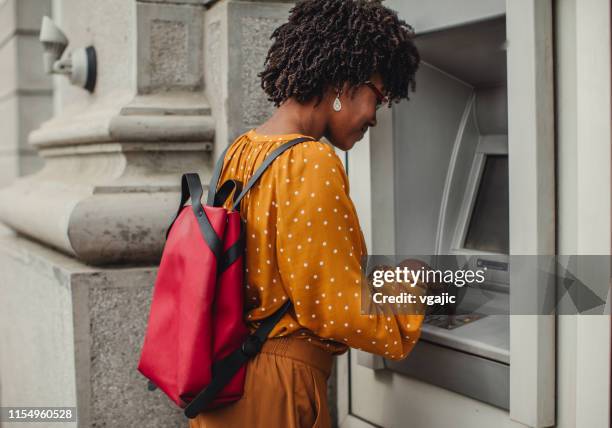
(331, 66)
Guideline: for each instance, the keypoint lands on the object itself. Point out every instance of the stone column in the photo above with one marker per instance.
(77, 277)
(237, 39)
(113, 158)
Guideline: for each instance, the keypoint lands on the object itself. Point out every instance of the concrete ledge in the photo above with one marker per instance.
(129, 118)
(104, 203)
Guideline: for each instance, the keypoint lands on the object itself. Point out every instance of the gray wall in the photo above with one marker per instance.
(25, 91)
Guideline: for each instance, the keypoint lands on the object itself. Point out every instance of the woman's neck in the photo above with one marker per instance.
(291, 117)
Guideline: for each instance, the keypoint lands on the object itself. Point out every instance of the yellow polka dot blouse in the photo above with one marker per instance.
(304, 243)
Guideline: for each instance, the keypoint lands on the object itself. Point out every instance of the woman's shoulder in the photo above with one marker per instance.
(316, 158)
(314, 154)
(312, 166)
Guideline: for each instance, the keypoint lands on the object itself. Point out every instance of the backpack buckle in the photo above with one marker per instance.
(251, 346)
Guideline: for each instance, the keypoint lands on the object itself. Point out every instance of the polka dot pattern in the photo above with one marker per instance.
(304, 243)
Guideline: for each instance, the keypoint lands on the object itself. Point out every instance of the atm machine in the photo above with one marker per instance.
(445, 155)
(463, 79)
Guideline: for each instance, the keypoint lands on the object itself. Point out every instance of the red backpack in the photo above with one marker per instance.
(197, 343)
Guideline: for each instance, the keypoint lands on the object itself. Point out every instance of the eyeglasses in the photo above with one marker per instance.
(380, 97)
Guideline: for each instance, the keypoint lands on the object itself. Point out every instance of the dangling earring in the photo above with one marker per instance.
(337, 103)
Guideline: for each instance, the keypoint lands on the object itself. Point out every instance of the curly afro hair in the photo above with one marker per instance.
(329, 42)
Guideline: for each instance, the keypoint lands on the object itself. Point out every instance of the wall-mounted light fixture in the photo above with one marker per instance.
(79, 65)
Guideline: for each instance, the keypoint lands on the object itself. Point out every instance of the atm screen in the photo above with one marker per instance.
(488, 228)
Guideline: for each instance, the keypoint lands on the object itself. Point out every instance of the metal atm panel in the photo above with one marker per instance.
(378, 391)
(452, 135)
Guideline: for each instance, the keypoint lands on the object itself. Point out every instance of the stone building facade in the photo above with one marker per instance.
(25, 90)
(90, 181)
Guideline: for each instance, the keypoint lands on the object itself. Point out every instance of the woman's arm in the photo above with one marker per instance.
(319, 247)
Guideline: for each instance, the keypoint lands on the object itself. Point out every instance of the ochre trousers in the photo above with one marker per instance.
(285, 386)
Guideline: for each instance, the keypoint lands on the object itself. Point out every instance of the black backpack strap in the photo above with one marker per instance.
(225, 190)
(214, 179)
(267, 161)
(225, 369)
(185, 194)
(191, 188)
